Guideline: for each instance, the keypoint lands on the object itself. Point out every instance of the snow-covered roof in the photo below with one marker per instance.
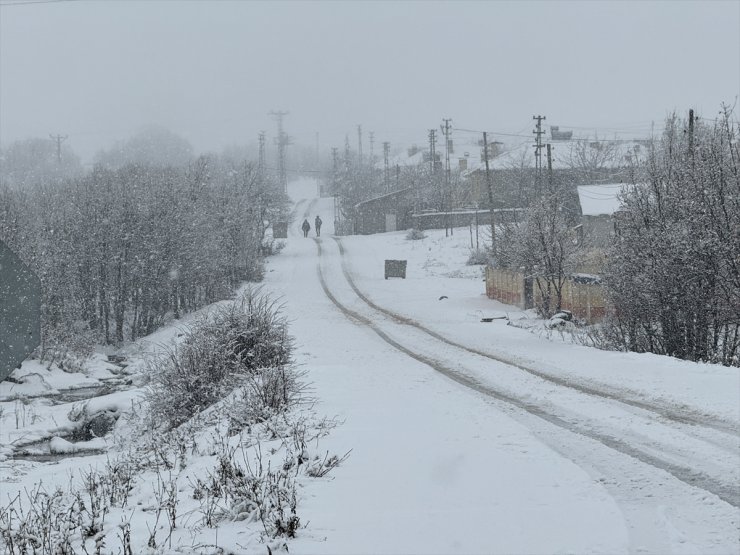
(597, 200)
(384, 196)
(461, 151)
(565, 155)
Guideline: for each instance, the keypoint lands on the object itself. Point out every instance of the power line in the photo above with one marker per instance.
(559, 141)
(19, 3)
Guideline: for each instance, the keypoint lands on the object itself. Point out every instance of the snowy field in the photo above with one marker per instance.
(465, 436)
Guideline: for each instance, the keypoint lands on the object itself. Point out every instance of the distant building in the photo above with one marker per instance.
(558, 135)
(599, 204)
(389, 212)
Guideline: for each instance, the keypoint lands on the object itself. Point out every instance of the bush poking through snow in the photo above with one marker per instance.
(415, 235)
(243, 440)
(272, 247)
(168, 485)
(241, 343)
(477, 257)
(264, 394)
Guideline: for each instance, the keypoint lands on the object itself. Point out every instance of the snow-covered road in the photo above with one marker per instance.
(458, 446)
(466, 435)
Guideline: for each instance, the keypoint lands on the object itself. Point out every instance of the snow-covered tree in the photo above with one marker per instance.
(673, 271)
(34, 161)
(120, 250)
(593, 160)
(543, 245)
(153, 145)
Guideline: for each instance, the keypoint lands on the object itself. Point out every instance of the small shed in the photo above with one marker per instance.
(389, 212)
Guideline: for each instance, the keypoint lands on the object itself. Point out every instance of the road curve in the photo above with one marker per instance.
(728, 492)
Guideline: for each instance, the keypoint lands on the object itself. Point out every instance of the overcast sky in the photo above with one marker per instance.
(212, 70)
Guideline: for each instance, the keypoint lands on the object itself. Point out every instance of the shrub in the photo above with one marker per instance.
(240, 343)
(415, 235)
(272, 247)
(477, 257)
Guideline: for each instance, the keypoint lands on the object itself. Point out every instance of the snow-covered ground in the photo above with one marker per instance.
(466, 436)
(456, 452)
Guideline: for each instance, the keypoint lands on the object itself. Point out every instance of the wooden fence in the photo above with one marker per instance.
(585, 300)
(504, 286)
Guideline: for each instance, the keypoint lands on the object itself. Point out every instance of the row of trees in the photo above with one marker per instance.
(118, 250)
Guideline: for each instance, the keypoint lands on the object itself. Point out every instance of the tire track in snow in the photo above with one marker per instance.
(689, 476)
(663, 411)
(310, 208)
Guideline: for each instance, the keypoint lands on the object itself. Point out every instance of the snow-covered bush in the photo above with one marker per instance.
(272, 247)
(266, 393)
(415, 235)
(477, 257)
(240, 343)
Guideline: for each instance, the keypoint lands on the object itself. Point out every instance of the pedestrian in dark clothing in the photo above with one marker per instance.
(306, 227)
(317, 223)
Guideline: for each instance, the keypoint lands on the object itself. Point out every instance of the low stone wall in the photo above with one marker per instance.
(463, 218)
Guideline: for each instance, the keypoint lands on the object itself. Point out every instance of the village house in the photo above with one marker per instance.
(389, 212)
(599, 204)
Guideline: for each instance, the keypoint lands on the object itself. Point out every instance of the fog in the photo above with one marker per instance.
(212, 71)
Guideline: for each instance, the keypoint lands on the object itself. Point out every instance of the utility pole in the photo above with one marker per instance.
(318, 186)
(261, 163)
(549, 168)
(59, 140)
(334, 165)
(538, 132)
(432, 153)
(359, 145)
(432, 156)
(386, 174)
(372, 145)
(490, 192)
(282, 141)
(448, 193)
(691, 135)
(347, 152)
(334, 162)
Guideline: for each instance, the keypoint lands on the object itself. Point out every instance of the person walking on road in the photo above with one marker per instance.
(317, 223)
(306, 227)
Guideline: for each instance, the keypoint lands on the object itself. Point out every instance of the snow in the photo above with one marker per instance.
(523, 443)
(58, 445)
(436, 468)
(116, 403)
